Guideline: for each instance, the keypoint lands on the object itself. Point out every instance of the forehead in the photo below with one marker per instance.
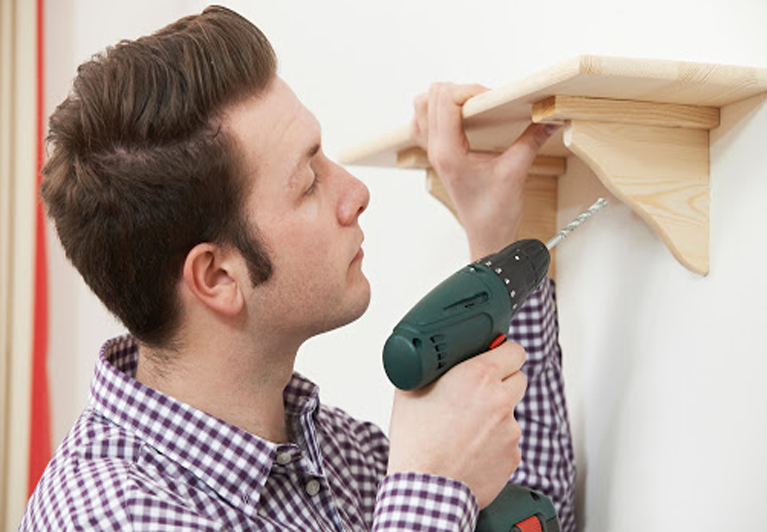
(272, 129)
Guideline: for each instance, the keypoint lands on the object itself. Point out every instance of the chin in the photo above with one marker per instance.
(349, 311)
(360, 304)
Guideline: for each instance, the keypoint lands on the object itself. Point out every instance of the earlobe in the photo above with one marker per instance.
(210, 275)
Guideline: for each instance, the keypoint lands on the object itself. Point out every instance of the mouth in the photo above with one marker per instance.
(360, 252)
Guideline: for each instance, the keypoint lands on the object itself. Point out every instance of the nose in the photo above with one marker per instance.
(354, 199)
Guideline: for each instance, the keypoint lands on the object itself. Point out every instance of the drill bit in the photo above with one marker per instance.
(559, 237)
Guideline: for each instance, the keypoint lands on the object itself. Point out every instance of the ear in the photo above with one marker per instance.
(211, 273)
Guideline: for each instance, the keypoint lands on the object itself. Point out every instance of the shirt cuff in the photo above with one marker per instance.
(428, 503)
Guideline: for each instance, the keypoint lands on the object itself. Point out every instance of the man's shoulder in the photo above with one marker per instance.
(102, 477)
(92, 464)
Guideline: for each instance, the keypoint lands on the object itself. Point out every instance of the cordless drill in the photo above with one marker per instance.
(467, 314)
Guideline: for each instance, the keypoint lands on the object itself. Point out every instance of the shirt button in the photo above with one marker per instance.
(312, 488)
(283, 458)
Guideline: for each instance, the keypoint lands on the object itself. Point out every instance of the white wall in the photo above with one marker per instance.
(663, 367)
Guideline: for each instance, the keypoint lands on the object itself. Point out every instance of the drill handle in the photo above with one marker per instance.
(457, 320)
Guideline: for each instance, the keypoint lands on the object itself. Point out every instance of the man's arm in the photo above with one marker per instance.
(462, 426)
(488, 192)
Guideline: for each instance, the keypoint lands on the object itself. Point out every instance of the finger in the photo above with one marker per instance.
(447, 141)
(433, 122)
(449, 113)
(520, 155)
(516, 386)
(463, 93)
(507, 358)
(420, 101)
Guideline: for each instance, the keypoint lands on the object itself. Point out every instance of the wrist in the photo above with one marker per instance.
(483, 243)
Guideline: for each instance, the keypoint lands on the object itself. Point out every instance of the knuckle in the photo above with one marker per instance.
(518, 351)
(516, 432)
(523, 382)
(516, 457)
(480, 370)
(511, 441)
(420, 104)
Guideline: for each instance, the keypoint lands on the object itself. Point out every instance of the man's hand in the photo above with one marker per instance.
(487, 189)
(462, 426)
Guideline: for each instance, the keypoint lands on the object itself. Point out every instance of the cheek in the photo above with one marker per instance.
(303, 256)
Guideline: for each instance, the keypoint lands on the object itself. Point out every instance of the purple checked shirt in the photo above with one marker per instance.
(137, 459)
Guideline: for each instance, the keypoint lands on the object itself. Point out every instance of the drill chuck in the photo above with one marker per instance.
(522, 266)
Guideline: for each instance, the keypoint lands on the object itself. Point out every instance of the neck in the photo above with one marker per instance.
(236, 381)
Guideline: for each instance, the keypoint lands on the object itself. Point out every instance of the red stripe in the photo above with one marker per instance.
(40, 423)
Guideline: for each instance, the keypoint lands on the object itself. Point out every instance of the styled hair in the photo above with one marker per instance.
(140, 170)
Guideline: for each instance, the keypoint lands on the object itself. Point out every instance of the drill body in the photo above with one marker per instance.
(467, 314)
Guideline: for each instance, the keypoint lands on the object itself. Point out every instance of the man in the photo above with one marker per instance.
(189, 187)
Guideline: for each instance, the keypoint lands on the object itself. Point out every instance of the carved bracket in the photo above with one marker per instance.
(652, 156)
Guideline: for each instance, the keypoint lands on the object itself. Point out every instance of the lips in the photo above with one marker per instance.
(360, 252)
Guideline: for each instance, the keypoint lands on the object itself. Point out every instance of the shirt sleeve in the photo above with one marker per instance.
(548, 461)
(423, 502)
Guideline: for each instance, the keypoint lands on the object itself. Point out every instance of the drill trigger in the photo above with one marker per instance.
(498, 341)
(531, 524)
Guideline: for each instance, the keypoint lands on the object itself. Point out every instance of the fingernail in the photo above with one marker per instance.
(551, 128)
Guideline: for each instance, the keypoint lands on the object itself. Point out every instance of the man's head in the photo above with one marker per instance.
(141, 170)
(307, 210)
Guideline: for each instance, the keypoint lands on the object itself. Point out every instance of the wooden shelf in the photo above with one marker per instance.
(642, 126)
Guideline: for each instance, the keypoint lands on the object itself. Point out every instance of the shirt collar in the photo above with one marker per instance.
(233, 462)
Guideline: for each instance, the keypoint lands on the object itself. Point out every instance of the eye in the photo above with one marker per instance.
(315, 182)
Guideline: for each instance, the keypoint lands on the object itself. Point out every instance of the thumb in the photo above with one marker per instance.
(520, 155)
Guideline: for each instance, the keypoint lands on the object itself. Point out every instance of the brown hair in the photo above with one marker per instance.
(140, 171)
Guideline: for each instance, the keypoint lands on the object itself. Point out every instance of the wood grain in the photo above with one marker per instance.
(494, 119)
(660, 173)
(560, 108)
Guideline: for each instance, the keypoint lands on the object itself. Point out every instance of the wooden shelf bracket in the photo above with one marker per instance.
(652, 156)
(640, 125)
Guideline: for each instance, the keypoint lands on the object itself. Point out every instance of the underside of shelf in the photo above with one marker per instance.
(642, 127)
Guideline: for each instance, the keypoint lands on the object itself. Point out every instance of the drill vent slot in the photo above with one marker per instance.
(440, 348)
(468, 302)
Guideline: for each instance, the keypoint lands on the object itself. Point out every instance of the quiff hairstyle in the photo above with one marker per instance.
(140, 170)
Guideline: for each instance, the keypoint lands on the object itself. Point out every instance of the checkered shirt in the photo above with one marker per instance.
(548, 461)
(137, 459)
